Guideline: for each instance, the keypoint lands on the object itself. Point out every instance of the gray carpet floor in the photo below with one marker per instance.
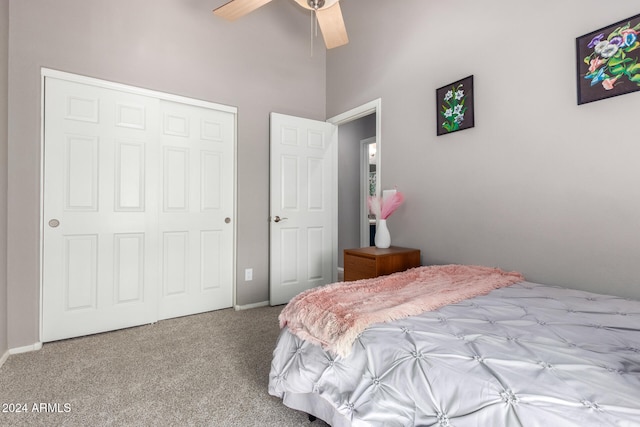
(209, 369)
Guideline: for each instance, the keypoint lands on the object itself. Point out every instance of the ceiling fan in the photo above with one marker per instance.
(328, 14)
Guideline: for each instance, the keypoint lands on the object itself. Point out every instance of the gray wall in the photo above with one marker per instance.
(4, 65)
(540, 185)
(349, 137)
(260, 63)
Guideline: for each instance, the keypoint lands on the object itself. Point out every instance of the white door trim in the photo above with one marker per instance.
(356, 113)
(364, 184)
(61, 75)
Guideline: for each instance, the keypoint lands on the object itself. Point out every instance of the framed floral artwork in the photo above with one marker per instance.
(607, 61)
(454, 104)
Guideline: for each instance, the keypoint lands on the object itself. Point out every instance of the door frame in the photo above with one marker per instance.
(76, 78)
(371, 107)
(365, 229)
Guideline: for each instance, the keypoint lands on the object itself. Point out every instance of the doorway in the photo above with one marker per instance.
(354, 126)
(282, 227)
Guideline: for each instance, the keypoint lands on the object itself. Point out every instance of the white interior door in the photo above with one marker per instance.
(196, 233)
(136, 194)
(302, 205)
(100, 250)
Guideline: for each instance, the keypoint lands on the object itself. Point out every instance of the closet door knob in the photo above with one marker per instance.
(53, 223)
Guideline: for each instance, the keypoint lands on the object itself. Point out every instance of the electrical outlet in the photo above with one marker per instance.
(248, 274)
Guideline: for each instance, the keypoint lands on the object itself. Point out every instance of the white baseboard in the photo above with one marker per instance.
(4, 358)
(27, 348)
(250, 306)
(33, 347)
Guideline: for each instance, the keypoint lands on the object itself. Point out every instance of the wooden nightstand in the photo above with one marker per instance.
(364, 263)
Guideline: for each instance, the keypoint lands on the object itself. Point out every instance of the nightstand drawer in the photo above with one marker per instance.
(358, 268)
(365, 263)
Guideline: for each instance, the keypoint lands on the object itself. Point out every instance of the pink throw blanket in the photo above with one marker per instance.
(333, 315)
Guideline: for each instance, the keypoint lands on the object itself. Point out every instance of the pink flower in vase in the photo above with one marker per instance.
(390, 205)
(383, 208)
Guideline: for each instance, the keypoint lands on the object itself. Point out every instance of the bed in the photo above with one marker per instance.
(522, 354)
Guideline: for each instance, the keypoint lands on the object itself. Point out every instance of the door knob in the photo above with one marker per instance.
(53, 223)
(278, 219)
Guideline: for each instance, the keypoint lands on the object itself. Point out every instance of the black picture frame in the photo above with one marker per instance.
(608, 61)
(454, 106)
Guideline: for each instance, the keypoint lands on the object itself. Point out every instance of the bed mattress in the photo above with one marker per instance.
(524, 355)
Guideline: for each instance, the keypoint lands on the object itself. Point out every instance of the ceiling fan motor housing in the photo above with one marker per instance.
(327, 12)
(315, 4)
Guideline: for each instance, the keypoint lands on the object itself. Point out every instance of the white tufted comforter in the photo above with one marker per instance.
(524, 355)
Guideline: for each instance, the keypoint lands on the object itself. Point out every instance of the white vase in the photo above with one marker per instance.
(383, 238)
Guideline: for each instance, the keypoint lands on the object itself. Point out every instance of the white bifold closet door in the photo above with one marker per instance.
(195, 210)
(138, 205)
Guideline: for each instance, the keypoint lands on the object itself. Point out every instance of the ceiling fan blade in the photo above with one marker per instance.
(238, 8)
(332, 26)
